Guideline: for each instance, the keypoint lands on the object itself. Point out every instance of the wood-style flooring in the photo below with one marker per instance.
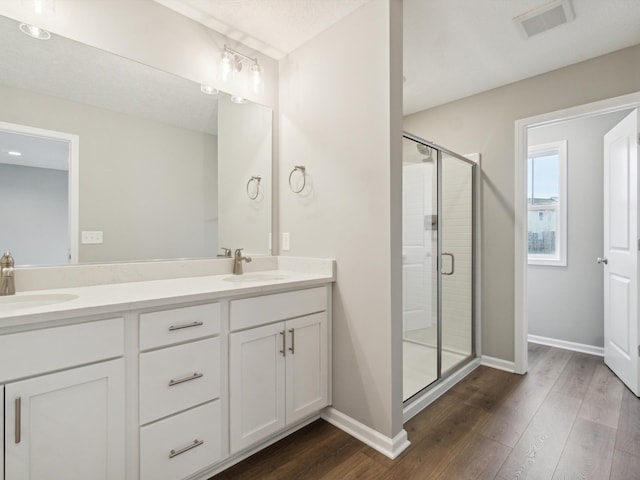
(568, 418)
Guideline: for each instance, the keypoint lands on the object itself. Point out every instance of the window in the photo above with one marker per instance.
(547, 204)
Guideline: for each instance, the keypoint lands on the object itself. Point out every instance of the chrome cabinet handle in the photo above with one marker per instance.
(453, 264)
(602, 260)
(185, 325)
(185, 379)
(18, 422)
(292, 348)
(180, 451)
(284, 344)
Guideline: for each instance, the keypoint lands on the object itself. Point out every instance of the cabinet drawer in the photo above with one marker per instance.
(250, 312)
(177, 378)
(179, 446)
(178, 325)
(40, 351)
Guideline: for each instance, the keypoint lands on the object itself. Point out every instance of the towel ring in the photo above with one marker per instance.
(302, 169)
(256, 179)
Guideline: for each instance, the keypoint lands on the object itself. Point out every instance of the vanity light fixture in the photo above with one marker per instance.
(209, 90)
(231, 63)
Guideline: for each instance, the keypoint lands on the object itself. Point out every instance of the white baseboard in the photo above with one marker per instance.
(390, 447)
(498, 363)
(576, 347)
(416, 405)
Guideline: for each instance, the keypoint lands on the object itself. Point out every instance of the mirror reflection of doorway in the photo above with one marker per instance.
(35, 200)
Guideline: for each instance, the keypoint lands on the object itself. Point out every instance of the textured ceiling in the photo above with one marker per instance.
(452, 48)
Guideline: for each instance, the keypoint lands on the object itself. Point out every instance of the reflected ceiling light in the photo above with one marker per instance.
(208, 89)
(40, 7)
(238, 99)
(232, 63)
(14, 153)
(34, 31)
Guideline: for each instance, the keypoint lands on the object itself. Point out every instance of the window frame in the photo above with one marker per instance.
(559, 259)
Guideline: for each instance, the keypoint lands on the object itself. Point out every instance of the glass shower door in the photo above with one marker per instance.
(457, 244)
(437, 263)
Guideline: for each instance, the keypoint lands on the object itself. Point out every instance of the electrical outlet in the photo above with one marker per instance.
(91, 238)
(285, 242)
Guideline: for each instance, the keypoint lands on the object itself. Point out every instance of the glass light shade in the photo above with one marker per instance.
(226, 64)
(209, 90)
(257, 78)
(40, 7)
(35, 32)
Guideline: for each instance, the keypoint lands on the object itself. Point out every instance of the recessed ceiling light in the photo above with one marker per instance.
(14, 153)
(35, 32)
(238, 99)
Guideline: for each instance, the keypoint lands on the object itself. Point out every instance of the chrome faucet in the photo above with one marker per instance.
(7, 285)
(237, 263)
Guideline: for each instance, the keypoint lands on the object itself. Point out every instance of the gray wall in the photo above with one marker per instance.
(566, 303)
(485, 123)
(340, 117)
(150, 187)
(34, 213)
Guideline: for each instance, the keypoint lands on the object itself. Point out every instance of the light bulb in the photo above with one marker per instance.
(40, 7)
(226, 65)
(257, 80)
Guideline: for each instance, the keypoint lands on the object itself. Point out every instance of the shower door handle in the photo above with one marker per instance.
(453, 264)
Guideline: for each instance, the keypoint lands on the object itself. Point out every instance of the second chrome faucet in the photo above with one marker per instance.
(237, 262)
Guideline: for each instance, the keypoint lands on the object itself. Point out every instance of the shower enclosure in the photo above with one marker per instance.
(438, 220)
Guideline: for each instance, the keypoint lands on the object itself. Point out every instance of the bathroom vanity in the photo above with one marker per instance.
(163, 379)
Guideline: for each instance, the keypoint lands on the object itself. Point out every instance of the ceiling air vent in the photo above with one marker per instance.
(545, 17)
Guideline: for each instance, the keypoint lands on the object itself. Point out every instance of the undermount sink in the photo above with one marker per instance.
(29, 300)
(254, 277)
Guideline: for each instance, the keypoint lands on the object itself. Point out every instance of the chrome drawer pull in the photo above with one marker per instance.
(185, 379)
(175, 453)
(185, 325)
(18, 423)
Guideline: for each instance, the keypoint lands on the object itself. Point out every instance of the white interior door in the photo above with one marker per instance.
(621, 243)
(417, 255)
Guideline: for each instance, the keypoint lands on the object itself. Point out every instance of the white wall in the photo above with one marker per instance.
(33, 209)
(340, 116)
(152, 34)
(566, 303)
(485, 123)
(245, 144)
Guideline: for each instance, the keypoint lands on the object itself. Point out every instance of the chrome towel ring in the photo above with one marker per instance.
(256, 179)
(302, 169)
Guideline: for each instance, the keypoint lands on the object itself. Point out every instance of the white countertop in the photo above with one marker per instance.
(111, 298)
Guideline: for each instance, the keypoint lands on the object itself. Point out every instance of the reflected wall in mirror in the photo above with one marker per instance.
(162, 167)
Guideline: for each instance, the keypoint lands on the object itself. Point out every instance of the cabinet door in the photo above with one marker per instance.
(307, 367)
(66, 425)
(256, 384)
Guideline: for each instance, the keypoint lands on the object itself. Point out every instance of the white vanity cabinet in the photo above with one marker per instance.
(278, 363)
(70, 422)
(179, 404)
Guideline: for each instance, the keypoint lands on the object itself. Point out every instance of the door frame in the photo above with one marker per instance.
(73, 142)
(521, 323)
